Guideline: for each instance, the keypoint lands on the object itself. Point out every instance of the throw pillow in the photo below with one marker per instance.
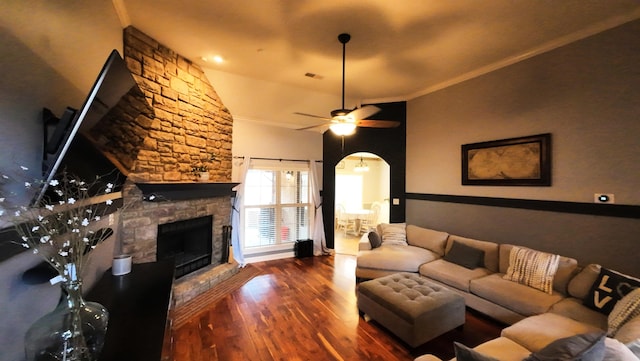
(609, 288)
(374, 239)
(532, 268)
(394, 233)
(624, 310)
(583, 347)
(465, 256)
(617, 351)
(464, 353)
(629, 331)
(634, 346)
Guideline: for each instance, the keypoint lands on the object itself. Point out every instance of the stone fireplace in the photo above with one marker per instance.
(187, 127)
(142, 219)
(188, 243)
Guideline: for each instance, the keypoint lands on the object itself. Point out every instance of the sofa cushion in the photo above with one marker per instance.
(608, 289)
(393, 233)
(465, 256)
(395, 258)
(573, 308)
(427, 238)
(464, 353)
(503, 349)
(567, 268)
(583, 347)
(490, 250)
(580, 285)
(452, 274)
(536, 332)
(624, 311)
(532, 268)
(519, 298)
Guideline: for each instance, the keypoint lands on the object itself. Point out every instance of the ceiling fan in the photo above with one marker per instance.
(344, 121)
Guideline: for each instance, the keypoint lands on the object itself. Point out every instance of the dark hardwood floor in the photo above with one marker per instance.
(305, 309)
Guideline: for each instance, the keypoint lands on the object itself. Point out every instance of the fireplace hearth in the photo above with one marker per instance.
(187, 242)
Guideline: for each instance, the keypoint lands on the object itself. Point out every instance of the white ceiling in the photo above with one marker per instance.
(399, 49)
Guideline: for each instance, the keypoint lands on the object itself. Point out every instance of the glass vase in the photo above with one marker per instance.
(74, 331)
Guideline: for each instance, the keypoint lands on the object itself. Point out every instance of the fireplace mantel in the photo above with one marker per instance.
(160, 192)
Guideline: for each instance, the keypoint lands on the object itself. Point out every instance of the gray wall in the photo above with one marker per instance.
(52, 53)
(587, 95)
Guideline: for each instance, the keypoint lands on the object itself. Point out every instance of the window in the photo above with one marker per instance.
(349, 190)
(276, 207)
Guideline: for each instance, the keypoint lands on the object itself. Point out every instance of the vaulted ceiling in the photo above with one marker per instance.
(399, 49)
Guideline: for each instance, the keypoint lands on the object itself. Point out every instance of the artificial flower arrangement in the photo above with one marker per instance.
(63, 228)
(59, 228)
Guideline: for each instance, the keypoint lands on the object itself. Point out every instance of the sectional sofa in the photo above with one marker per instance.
(542, 296)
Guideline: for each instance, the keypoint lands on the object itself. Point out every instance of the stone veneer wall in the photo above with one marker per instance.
(191, 127)
(140, 220)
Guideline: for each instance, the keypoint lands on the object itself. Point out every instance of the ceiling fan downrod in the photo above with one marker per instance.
(344, 39)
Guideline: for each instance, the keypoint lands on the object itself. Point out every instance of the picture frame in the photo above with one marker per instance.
(523, 161)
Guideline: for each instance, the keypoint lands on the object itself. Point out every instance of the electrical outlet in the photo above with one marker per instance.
(604, 198)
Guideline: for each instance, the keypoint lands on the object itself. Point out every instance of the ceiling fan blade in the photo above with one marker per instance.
(364, 112)
(369, 123)
(314, 126)
(312, 115)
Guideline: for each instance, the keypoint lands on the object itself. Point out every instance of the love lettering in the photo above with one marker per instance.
(599, 301)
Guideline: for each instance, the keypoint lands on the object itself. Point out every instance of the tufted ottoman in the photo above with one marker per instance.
(412, 307)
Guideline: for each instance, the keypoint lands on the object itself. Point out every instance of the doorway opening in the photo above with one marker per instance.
(362, 187)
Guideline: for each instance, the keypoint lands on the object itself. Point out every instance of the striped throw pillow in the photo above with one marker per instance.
(624, 310)
(532, 268)
(394, 233)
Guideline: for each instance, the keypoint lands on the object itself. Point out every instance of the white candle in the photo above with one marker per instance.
(121, 265)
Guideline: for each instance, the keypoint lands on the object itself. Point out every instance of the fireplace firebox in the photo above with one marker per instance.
(187, 242)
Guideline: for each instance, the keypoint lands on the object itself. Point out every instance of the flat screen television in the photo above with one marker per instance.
(68, 150)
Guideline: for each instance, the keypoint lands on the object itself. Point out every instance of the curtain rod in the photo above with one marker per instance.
(279, 159)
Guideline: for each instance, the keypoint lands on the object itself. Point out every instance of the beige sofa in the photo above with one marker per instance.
(537, 318)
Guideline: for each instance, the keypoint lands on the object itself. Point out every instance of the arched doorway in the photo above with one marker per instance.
(362, 186)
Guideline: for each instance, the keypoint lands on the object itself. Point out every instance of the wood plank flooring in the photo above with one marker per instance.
(305, 309)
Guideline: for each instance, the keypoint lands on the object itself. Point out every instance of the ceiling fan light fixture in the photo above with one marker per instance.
(343, 128)
(344, 121)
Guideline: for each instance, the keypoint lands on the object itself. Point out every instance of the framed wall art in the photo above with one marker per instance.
(524, 161)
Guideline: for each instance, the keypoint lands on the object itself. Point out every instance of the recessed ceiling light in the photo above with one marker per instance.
(215, 59)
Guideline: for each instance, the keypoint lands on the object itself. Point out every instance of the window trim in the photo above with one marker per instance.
(280, 167)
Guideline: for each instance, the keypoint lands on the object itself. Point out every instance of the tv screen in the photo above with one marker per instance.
(70, 149)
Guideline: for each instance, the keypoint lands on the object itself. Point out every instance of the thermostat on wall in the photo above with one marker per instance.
(604, 198)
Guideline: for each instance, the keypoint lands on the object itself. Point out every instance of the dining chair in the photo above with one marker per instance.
(343, 221)
(371, 220)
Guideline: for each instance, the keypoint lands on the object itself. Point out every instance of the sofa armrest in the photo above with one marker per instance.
(364, 244)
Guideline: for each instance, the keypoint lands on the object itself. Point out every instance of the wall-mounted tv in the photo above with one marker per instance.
(68, 150)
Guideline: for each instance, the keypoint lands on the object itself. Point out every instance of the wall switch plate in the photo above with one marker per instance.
(604, 198)
(396, 201)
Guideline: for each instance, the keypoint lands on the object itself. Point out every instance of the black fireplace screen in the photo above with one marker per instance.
(187, 242)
